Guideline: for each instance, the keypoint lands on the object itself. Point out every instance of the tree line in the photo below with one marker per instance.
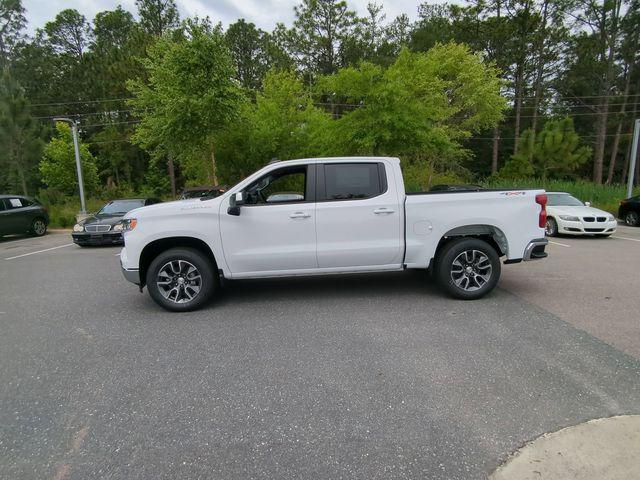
(509, 88)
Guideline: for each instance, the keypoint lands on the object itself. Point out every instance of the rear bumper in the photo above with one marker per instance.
(535, 250)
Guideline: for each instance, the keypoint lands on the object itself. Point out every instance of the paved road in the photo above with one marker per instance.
(340, 377)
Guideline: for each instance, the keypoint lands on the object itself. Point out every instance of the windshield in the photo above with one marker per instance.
(121, 206)
(563, 200)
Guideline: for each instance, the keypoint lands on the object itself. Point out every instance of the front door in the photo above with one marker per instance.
(275, 232)
(13, 217)
(358, 219)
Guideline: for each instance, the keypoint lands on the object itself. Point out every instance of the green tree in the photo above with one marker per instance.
(12, 23)
(421, 107)
(69, 33)
(189, 98)
(158, 16)
(283, 123)
(248, 46)
(58, 165)
(320, 29)
(19, 137)
(555, 151)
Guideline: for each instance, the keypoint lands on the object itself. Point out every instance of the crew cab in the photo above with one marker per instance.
(329, 216)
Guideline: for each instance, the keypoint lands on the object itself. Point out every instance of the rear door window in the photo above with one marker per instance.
(15, 203)
(352, 181)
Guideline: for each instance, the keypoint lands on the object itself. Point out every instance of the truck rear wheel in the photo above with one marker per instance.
(467, 268)
(181, 279)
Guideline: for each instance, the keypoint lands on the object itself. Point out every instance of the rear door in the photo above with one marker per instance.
(358, 217)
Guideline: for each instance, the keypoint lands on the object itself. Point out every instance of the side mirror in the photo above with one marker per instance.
(587, 204)
(235, 201)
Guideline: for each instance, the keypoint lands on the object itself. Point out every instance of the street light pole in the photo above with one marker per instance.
(634, 158)
(76, 148)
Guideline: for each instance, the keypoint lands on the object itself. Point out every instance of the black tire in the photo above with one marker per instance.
(38, 227)
(180, 260)
(632, 218)
(477, 254)
(551, 227)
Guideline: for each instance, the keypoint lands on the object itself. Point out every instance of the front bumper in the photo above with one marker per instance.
(586, 228)
(132, 276)
(109, 238)
(535, 250)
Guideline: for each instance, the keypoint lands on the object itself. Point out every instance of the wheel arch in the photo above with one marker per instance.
(491, 234)
(156, 247)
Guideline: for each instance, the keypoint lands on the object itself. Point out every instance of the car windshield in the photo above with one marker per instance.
(120, 206)
(563, 200)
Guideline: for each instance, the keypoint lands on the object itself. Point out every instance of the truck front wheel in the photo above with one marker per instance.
(181, 279)
(467, 268)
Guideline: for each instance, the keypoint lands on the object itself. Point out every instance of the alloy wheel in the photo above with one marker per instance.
(550, 228)
(179, 281)
(471, 270)
(631, 218)
(39, 227)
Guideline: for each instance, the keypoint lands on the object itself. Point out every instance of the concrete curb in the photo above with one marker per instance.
(601, 449)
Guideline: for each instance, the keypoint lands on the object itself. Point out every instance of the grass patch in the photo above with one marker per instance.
(63, 215)
(605, 197)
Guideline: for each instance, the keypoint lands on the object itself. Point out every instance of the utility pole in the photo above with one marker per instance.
(76, 148)
(634, 158)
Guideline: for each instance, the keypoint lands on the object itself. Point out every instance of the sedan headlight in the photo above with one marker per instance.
(612, 218)
(569, 218)
(78, 228)
(117, 227)
(128, 224)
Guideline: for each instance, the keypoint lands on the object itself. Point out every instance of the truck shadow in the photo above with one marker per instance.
(328, 287)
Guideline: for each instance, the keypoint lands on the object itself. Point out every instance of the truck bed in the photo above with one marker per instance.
(510, 215)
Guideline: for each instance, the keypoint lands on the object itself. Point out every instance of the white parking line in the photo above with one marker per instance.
(39, 251)
(561, 244)
(626, 238)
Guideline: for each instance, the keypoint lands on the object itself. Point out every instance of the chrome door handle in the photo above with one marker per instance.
(379, 211)
(300, 215)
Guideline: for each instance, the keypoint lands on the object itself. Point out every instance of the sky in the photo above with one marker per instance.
(264, 13)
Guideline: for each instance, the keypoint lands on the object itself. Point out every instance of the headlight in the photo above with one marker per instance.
(78, 228)
(128, 224)
(117, 227)
(569, 218)
(612, 218)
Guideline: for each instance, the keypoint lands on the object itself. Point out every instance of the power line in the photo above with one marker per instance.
(89, 114)
(562, 97)
(110, 123)
(579, 97)
(519, 138)
(107, 141)
(81, 102)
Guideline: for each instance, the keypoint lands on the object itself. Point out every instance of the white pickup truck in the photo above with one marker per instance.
(329, 215)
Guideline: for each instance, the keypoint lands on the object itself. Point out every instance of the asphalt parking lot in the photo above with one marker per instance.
(371, 376)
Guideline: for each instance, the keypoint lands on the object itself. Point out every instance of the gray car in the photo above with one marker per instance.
(20, 214)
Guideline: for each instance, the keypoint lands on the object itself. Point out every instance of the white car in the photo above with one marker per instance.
(324, 216)
(569, 216)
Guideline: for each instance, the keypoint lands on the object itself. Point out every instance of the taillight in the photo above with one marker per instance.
(541, 199)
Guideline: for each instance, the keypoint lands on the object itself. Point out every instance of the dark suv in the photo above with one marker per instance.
(629, 211)
(20, 214)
